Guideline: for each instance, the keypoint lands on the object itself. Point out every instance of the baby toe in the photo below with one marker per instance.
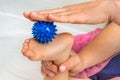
(33, 56)
(25, 48)
(28, 53)
(27, 40)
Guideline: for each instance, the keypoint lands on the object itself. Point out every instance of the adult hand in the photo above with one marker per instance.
(48, 68)
(74, 64)
(92, 12)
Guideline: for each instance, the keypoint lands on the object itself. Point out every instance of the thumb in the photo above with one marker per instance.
(70, 63)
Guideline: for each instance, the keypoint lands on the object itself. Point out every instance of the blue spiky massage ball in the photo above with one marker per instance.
(44, 32)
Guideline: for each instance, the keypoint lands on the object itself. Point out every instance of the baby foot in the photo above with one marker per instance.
(56, 50)
(31, 49)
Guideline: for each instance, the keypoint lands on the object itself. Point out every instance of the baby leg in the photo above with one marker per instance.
(58, 50)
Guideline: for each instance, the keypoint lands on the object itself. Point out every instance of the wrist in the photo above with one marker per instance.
(115, 11)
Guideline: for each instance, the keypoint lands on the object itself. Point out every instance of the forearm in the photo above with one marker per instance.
(105, 45)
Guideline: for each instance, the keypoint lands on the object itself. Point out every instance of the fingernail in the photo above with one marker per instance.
(63, 68)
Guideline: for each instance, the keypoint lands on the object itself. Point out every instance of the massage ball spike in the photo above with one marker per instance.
(43, 31)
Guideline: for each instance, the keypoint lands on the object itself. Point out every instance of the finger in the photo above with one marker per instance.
(70, 63)
(59, 18)
(48, 17)
(42, 71)
(68, 17)
(42, 15)
(26, 14)
(38, 17)
(52, 10)
(65, 13)
(47, 72)
(52, 67)
(81, 17)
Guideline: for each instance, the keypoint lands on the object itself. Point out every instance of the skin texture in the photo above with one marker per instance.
(52, 51)
(106, 43)
(80, 13)
(83, 14)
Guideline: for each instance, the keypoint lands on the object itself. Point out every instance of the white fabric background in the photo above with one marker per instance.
(14, 29)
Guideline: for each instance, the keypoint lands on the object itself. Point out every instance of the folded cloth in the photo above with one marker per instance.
(110, 72)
